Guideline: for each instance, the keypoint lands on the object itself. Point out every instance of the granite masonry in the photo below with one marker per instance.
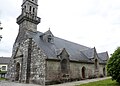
(42, 58)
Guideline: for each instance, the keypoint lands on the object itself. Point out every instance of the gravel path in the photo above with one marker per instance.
(7, 83)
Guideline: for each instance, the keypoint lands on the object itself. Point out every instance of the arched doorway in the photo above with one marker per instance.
(64, 66)
(17, 71)
(83, 72)
(104, 73)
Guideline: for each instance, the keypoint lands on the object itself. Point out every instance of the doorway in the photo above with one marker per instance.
(83, 72)
(17, 71)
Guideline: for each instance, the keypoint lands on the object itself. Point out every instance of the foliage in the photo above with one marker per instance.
(113, 65)
(107, 82)
(2, 72)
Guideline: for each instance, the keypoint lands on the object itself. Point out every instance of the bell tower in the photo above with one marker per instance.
(28, 19)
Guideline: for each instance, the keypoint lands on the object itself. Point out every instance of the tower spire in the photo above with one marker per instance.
(28, 18)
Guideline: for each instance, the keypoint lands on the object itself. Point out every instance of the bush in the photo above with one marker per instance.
(113, 65)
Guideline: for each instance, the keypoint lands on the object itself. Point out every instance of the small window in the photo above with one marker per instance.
(33, 10)
(30, 8)
(25, 7)
(50, 38)
(3, 67)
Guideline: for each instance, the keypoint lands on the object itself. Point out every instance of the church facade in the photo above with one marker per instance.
(42, 58)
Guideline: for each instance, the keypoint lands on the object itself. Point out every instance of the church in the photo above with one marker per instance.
(42, 58)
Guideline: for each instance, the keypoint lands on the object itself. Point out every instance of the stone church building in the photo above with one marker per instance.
(42, 58)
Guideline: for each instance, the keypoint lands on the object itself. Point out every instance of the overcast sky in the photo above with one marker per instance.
(93, 23)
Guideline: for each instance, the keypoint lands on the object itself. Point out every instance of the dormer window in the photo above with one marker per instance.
(47, 37)
(50, 39)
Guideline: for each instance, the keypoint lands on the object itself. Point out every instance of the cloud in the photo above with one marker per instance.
(87, 22)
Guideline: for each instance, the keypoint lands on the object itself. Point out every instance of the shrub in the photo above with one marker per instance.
(113, 65)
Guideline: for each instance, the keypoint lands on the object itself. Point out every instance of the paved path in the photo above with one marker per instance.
(7, 83)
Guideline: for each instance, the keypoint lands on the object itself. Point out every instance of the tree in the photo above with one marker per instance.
(113, 65)
(0, 29)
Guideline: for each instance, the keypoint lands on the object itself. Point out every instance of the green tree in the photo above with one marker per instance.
(113, 65)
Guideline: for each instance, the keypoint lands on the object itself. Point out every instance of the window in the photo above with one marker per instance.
(25, 7)
(30, 8)
(3, 67)
(50, 39)
(96, 64)
(64, 66)
(33, 10)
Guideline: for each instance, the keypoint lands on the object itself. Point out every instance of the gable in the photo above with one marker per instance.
(18, 52)
(64, 54)
(47, 37)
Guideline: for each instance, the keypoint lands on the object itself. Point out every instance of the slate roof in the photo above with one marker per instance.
(76, 51)
(89, 53)
(51, 49)
(4, 60)
(104, 56)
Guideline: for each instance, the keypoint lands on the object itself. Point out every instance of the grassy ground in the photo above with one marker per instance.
(2, 79)
(107, 82)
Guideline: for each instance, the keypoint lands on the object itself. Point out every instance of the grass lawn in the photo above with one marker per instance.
(2, 79)
(107, 82)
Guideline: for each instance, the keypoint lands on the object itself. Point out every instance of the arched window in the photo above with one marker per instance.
(64, 66)
(83, 72)
(25, 7)
(33, 10)
(96, 64)
(30, 9)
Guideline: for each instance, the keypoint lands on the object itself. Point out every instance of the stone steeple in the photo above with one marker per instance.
(28, 19)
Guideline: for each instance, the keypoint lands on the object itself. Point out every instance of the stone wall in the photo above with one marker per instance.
(53, 70)
(101, 71)
(76, 70)
(37, 66)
